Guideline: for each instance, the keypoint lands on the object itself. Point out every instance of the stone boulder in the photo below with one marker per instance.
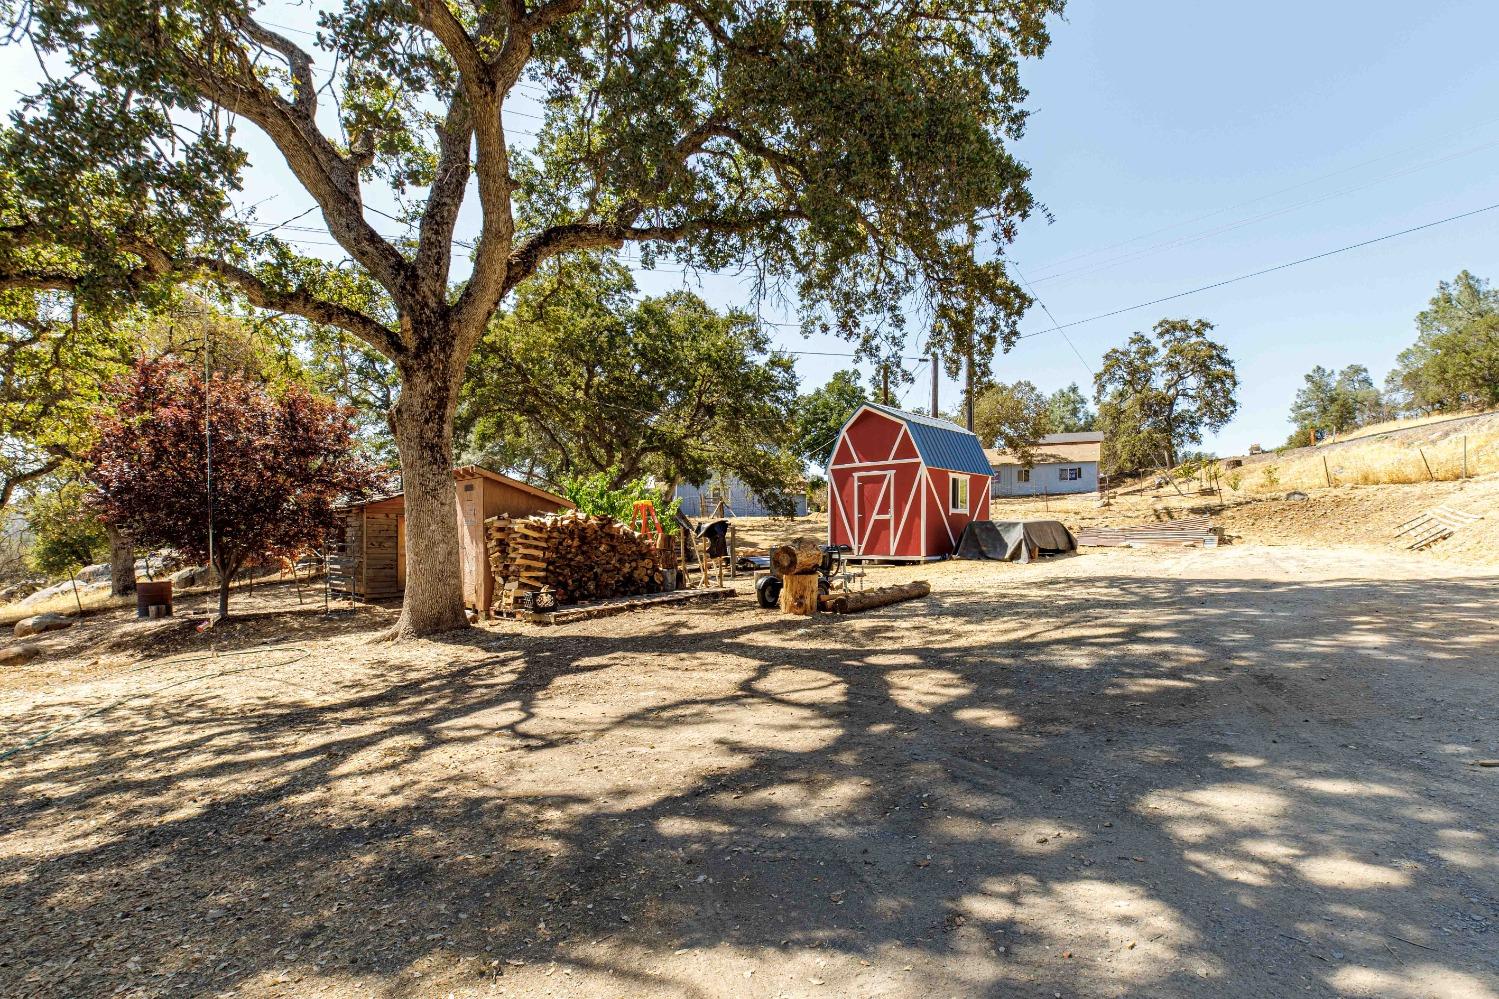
(39, 623)
(19, 655)
(46, 593)
(93, 574)
(196, 575)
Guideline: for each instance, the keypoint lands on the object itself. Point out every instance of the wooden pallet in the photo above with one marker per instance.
(1434, 525)
(1162, 534)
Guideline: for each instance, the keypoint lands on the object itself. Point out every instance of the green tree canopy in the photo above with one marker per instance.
(1336, 402)
(581, 378)
(66, 532)
(1067, 411)
(1454, 363)
(845, 150)
(821, 413)
(1161, 391)
(1012, 417)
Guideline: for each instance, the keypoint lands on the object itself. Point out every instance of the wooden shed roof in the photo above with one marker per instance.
(463, 472)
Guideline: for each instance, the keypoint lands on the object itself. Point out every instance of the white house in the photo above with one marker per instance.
(1062, 463)
(725, 496)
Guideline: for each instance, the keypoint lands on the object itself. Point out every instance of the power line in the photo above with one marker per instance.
(1263, 197)
(1056, 326)
(1268, 270)
(1172, 244)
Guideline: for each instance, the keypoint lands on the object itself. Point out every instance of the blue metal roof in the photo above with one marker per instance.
(941, 444)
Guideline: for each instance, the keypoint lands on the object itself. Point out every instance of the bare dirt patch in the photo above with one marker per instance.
(1237, 772)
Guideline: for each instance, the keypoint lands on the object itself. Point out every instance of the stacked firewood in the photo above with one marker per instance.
(574, 556)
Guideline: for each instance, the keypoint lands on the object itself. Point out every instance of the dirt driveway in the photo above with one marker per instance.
(1243, 772)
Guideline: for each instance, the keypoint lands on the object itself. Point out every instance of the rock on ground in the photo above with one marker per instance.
(39, 623)
(18, 655)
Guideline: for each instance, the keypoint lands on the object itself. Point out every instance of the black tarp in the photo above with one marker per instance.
(1014, 540)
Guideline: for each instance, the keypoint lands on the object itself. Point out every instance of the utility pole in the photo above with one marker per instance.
(936, 363)
(969, 391)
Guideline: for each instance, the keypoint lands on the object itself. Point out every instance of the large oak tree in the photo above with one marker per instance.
(845, 148)
(1160, 392)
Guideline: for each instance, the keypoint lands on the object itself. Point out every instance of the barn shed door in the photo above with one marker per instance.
(874, 513)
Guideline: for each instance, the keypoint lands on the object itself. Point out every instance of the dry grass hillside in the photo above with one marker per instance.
(1386, 454)
(1366, 516)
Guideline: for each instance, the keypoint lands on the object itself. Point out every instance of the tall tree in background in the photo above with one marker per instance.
(821, 413)
(1454, 363)
(1335, 402)
(581, 378)
(842, 148)
(1012, 417)
(1067, 411)
(279, 465)
(1160, 392)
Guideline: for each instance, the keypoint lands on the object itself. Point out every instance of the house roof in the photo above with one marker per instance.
(477, 472)
(1049, 451)
(941, 444)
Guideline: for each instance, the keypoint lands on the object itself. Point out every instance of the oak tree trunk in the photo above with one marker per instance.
(422, 422)
(121, 562)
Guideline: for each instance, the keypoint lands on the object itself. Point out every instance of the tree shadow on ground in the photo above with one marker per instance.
(1120, 786)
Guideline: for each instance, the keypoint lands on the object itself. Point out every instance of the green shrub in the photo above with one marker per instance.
(1271, 476)
(597, 496)
(68, 536)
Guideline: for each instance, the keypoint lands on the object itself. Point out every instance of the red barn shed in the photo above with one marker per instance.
(903, 486)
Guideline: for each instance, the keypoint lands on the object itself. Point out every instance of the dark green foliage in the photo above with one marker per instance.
(1012, 417)
(581, 378)
(821, 413)
(1335, 403)
(1067, 411)
(1454, 363)
(1160, 392)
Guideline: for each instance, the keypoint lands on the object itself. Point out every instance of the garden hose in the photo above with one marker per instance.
(301, 653)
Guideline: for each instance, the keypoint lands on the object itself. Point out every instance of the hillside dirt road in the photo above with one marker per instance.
(1248, 771)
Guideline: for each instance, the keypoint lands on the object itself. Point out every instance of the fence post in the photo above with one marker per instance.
(1325, 471)
(1465, 456)
(1422, 452)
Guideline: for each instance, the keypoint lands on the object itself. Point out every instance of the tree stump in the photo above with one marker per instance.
(799, 594)
(789, 560)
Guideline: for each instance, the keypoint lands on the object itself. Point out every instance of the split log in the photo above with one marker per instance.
(802, 556)
(849, 603)
(799, 594)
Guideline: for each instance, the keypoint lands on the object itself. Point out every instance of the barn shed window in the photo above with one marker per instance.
(957, 491)
(1023, 475)
(1070, 473)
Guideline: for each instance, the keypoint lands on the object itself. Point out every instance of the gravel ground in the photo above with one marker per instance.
(1241, 772)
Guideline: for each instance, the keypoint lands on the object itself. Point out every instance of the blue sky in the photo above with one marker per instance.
(1177, 144)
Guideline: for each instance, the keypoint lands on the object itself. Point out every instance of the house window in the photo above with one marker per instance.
(1069, 473)
(1022, 475)
(957, 493)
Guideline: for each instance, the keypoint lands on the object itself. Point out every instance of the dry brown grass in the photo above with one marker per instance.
(63, 603)
(1436, 456)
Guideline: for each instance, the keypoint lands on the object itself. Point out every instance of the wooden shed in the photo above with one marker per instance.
(902, 486)
(372, 562)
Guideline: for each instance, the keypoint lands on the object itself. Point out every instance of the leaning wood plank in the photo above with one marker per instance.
(850, 603)
(623, 605)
